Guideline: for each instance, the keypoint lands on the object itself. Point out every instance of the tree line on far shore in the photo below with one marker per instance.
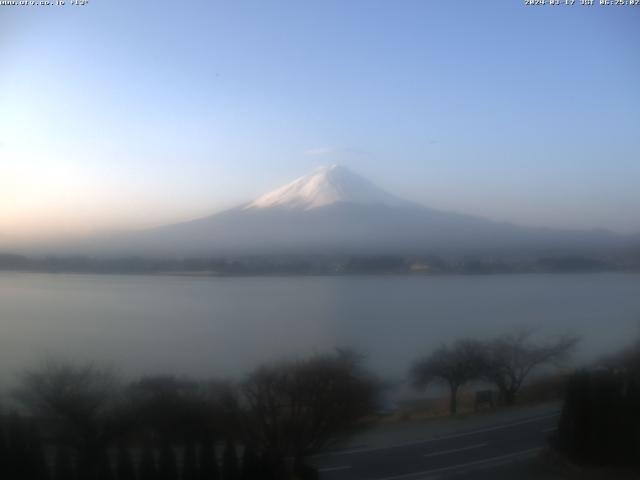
(314, 264)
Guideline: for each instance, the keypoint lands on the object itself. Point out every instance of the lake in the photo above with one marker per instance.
(224, 327)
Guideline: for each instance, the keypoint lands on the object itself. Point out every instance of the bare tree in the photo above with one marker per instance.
(78, 398)
(296, 408)
(511, 358)
(454, 365)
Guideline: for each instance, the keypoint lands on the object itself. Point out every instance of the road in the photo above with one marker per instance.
(480, 449)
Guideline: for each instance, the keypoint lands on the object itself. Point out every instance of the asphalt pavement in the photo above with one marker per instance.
(498, 443)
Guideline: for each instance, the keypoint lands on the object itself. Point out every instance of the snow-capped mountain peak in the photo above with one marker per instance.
(323, 187)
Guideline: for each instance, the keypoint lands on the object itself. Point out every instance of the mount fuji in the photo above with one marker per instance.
(335, 211)
(324, 187)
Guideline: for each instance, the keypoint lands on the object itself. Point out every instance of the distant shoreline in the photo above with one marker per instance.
(199, 274)
(316, 265)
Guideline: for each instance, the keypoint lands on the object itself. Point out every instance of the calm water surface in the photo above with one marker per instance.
(226, 326)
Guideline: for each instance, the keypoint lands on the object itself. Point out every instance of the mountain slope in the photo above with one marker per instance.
(326, 186)
(333, 210)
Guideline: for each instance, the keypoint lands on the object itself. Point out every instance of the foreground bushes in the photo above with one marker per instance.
(600, 421)
(21, 450)
(80, 423)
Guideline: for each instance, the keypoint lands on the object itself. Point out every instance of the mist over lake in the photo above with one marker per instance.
(224, 327)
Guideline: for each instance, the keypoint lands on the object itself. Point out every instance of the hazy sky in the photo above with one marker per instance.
(134, 113)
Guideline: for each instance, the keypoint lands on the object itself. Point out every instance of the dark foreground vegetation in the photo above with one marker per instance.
(600, 421)
(79, 422)
(321, 265)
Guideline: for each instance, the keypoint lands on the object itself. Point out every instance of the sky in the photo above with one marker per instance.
(120, 114)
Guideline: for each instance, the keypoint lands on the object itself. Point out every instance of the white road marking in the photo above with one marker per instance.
(486, 461)
(454, 450)
(334, 469)
(437, 439)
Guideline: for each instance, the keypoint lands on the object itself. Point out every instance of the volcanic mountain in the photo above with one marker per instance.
(335, 211)
(324, 187)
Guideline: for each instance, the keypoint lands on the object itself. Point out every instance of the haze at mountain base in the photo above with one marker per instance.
(335, 211)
